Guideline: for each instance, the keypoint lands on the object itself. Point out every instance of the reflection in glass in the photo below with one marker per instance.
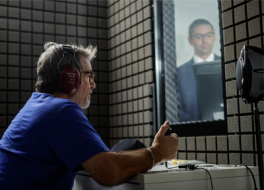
(188, 66)
(199, 77)
(192, 62)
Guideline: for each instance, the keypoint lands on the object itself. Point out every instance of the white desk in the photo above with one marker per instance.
(159, 178)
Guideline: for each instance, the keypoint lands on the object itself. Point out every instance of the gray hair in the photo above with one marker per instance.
(47, 71)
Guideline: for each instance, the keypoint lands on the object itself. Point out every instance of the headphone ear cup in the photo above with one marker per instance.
(69, 80)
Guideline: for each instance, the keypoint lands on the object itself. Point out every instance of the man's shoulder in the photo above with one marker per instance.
(186, 66)
(67, 108)
(48, 103)
(216, 57)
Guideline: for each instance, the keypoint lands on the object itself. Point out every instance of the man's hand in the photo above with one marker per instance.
(165, 147)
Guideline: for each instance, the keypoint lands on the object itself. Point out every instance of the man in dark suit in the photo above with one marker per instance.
(201, 37)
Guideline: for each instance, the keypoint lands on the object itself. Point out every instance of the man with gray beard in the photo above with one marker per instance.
(51, 139)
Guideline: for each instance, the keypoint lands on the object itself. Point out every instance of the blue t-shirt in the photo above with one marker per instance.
(45, 144)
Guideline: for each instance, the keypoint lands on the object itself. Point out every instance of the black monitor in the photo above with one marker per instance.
(208, 76)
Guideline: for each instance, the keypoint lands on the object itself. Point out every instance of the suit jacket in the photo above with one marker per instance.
(187, 93)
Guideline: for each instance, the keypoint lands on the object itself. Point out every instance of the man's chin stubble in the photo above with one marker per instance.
(84, 103)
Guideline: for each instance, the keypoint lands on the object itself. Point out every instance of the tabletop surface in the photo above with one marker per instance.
(160, 174)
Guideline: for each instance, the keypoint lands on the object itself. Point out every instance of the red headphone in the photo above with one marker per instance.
(69, 78)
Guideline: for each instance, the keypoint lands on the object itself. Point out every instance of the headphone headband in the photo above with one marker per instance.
(67, 49)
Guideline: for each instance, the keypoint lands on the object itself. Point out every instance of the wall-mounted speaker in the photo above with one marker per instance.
(250, 74)
(250, 83)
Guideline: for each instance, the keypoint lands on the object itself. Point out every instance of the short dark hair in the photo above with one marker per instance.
(196, 23)
(47, 72)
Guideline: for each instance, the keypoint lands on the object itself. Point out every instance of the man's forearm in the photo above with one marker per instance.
(121, 166)
(131, 163)
(110, 168)
(146, 152)
(141, 160)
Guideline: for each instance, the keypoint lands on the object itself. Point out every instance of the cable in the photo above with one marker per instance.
(209, 175)
(191, 166)
(251, 175)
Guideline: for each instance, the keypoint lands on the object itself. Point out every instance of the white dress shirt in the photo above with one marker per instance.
(197, 59)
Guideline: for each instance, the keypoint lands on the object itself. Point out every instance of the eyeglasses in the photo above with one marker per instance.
(91, 77)
(200, 36)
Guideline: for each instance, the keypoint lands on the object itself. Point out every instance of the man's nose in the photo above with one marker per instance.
(93, 85)
(204, 39)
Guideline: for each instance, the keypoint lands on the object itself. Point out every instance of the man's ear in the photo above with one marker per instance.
(190, 40)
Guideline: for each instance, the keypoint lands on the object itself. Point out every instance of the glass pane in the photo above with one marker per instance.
(198, 60)
(188, 61)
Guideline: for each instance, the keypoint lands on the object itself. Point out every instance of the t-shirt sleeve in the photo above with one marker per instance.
(73, 138)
